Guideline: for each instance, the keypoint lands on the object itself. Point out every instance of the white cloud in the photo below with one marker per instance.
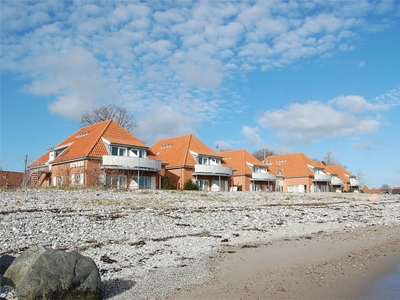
(163, 121)
(73, 78)
(221, 145)
(130, 53)
(389, 98)
(253, 137)
(353, 103)
(312, 120)
(197, 68)
(370, 146)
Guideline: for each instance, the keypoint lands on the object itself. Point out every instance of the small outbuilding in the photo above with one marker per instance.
(396, 190)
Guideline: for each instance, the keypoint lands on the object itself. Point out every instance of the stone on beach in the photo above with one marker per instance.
(39, 273)
(5, 262)
(374, 198)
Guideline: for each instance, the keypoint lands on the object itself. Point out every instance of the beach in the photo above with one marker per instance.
(319, 266)
(232, 245)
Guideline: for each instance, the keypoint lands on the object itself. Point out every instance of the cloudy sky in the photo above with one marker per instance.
(291, 76)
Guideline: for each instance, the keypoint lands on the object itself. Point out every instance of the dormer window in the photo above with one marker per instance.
(128, 151)
(119, 151)
(208, 160)
(203, 161)
(142, 153)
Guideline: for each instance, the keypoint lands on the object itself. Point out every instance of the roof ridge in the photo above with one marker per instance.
(187, 149)
(100, 135)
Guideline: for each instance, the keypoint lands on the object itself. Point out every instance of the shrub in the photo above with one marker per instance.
(190, 186)
(166, 183)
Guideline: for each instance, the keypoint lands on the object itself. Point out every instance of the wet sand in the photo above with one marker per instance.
(340, 265)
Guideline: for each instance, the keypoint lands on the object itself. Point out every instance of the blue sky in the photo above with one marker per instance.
(291, 76)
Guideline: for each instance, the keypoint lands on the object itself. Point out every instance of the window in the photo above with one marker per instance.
(215, 161)
(77, 179)
(218, 183)
(203, 185)
(142, 153)
(118, 151)
(58, 181)
(321, 188)
(203, 161)
(144, 182)
(116, 181)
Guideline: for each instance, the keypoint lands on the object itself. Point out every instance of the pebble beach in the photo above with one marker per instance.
(156, 244)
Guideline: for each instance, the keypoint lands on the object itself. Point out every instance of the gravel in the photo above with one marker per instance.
(148, 244)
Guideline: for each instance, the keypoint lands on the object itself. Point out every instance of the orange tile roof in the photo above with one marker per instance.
(176, 150)
(367, 190)
(340, 171)
(40, 161)
(276, 170)
(87, 141)
(293, 165)
(238, 159)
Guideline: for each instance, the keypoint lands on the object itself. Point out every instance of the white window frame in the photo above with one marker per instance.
(121, 151)
(203, 184)
(77, 179)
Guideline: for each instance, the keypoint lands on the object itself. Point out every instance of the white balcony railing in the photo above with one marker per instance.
(336, 181)
(354, 182)
(322, 177)
(263, 176)
(214, 170)
(132, 163)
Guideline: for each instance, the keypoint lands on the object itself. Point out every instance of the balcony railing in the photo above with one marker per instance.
(322, 177)
(212, 170)
(263, 177)
(336, 181)
(130, 163)
(354, 182)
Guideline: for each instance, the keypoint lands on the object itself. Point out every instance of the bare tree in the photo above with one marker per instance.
(106, 112)
(360, 178)
(385, 188)
(262, 154)
(329, 160)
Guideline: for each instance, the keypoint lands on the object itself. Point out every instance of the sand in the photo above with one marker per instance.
(341, 265)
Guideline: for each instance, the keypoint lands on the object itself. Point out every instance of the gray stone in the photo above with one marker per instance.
(5, 262)
(17, 270)
(53, 274)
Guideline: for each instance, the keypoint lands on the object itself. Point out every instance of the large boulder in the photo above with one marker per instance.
(5, 262)
(53, 274)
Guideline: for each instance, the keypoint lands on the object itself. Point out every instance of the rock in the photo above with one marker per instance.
(53, 274)
(374, 198)
(16, 271)
(5, 262)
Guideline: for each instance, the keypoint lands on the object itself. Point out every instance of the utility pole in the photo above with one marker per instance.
(25, 160)
(264, 153)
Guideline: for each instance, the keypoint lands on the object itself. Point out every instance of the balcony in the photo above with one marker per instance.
(322, 177)
(354, 182)
(212, 170)
(337, 181)
(130, 163)
(263, 177)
